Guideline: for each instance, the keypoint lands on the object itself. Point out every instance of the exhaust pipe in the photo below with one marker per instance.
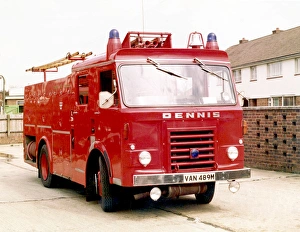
(141, 196)
(180, 190)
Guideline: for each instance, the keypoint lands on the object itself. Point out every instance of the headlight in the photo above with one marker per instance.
(232, 153)
(145, 158)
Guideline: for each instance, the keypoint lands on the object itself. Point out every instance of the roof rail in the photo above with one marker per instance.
(135, 39)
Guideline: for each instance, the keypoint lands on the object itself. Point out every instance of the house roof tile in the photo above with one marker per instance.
(277, 45)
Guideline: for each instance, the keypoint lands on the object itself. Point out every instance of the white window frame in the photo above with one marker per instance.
(253, 73)
(297, 66)
(20, 102)
(275, 70)
(282, 101)
(275, 101)
(237, 75)
(288, 99)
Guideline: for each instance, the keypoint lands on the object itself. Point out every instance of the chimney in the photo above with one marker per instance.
(243, 40)
(277, 31)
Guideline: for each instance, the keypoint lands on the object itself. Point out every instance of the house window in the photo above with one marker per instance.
(253, 73)
(253, 102)
(274, 70)
(288, 101)
(282, 101)
(297, 66)
(20, 102)
(237, 75)
(276, 101)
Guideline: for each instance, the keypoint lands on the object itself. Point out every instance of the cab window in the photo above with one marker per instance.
(83, 90)
(106, 78)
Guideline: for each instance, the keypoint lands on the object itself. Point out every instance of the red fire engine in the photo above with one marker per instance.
(144, 119)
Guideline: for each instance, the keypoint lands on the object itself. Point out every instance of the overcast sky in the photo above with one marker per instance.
(35, 32)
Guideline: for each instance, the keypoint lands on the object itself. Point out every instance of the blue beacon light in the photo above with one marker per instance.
(212, 42)
(114, 43)
(114, 34)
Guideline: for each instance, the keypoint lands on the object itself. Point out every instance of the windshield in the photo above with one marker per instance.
(180, 85)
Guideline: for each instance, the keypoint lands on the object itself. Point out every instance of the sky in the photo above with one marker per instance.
(36, 32)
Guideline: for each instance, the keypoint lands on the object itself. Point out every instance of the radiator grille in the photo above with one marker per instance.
(183, 142)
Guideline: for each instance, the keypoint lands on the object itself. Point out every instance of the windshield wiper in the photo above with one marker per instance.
(206, 69)
(158, 67)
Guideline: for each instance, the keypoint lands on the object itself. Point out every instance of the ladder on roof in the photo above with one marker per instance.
(69, 58)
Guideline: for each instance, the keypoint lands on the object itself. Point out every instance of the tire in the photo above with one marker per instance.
(108, 200)
(44, 168)
(206, 198)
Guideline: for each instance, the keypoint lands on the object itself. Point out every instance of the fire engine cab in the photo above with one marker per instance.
(143, 119)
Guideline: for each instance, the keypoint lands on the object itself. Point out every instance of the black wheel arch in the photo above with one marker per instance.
(92, 164)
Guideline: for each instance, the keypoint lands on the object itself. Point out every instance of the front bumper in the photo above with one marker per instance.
(188, 178)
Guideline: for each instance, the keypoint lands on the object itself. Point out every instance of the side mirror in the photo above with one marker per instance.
(241, 99)
(106, 99)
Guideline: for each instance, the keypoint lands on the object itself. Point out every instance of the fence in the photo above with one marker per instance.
(11, 128)
(273, 138)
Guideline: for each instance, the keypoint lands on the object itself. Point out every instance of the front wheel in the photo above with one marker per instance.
(206, 198)
(108, 200)
(44, 168)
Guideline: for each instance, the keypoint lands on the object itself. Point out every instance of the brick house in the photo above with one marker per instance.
(267, 69)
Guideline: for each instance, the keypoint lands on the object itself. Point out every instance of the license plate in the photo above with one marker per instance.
(199, 177)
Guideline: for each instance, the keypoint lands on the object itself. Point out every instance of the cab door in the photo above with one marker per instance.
(80, 129)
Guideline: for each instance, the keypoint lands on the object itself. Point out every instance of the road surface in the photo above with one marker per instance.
(269, 201)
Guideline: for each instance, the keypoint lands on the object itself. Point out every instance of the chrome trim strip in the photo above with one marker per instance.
(29, 125)
(178, 178)
(61, 132)
(79, 170)
(43, 126)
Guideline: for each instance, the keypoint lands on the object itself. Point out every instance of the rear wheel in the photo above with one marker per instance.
(205, 198)
(44, 168)
(108, 200)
